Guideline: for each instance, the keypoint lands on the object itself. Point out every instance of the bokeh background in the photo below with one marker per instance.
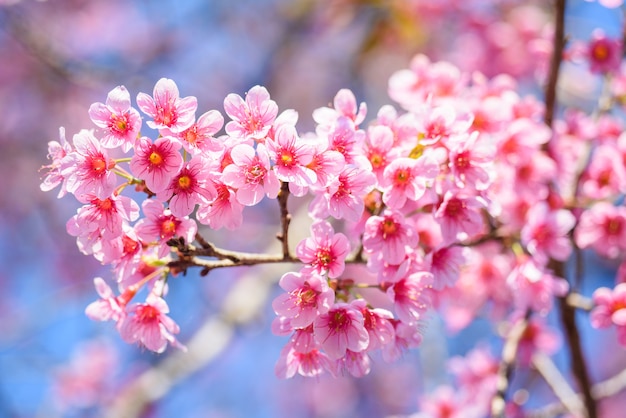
(59, 56)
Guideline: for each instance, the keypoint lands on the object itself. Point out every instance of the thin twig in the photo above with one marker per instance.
(559, 385)
(285, 219)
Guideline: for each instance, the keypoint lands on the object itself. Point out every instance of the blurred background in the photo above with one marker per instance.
(58, 57)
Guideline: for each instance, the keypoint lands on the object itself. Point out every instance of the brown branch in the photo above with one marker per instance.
(285, 219)
(555, 62)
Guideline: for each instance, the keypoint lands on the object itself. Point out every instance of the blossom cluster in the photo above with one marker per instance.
(456, 200)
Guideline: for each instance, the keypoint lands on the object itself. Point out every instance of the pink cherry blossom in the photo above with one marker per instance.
(324, 251)
(603, 228)
(170, 113)
(120, 121)
(459, 216)
(405, 337)
(199, 137)
(609, 307)
(411, 296)
(471, 162)
(605, 176)
(308, 296)
(378, 323)
(344, 105)
(148, 324)
(325, 163)
(445, 265)
(438, 123)
(103, 216)
(379, 150)
(56, 152)
(310, 364)
(291, 157)
(191, 186)
(389, 235)
(88, 169)
(357, 364)
(160, 225)
(537, 337)
(250, 174)
(108, 307)
(156, 163)
(223, 211)
(343, 137)
(252, 118)
(341, 329)
(407, 179)
(603, 53)
(545, 232)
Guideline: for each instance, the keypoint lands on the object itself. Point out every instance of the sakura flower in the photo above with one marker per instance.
(406, 179)
(603, 228)
(324, 251)
(191, 186)
(470, 162)
(440, 122)
(545, 232)
(325, 163)
(609, 308)
(156, 163)
(378, 148)
(604, 54)
(537, 337)
(310, 364)
(377, 322)
(605, 176)
(56, 152)
(103, 216)
(120, 121)
(404, 337)
(291, 157)
(344, 137)
(108, 307)
(148, 324)
(199, 137)
(358, 364)
(252, 118)
(250, 174)
(344, 105)
(411, 296)
(389, 234)
(224, 211)
(88, 169)
(341, 329)
(160, 225)
(476, 372)
(459, 216)
(170, 113)
(308, 296)
(445, 265)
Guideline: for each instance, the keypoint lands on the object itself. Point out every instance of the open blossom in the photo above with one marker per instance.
(377, 322)
(223, 211)
(389, 235)
(191, 186)
(309, 364)
(250, 174)
(291, 157)
(120, 121)
(252, 118)
(378, 148)
(545, 232)
(324, 251)
(603, 228)
(406, 179)
(445, 265)
(308, 296)
(156, 163)
(148, 324)
(341, 329)
(199, 137)
(610, 309)
(108, 307)
(88, 169)
(160, 225)
(603, 53)
(459, 216)
(345, 105)
(56, 152)
(105, 217)
(471, 162)
(169, 112)
(411, 296)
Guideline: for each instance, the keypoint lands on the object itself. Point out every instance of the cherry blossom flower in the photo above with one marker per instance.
(148, 324)
(344, 104)
(378, 323)
(170, 113)
(308, 296)
(156, 163)
(537, 337)
(159, 225)
(250, 174)
(405, 337)
(310, 364)
(471, 162)
(88, 169)
(406, 179)
(379, 150)
(603, 53)
(445, 265)
(389, 234)
(103, 216)
(411, 296)
(252, 119)
(609, 307)
(120, 121)
(459, 216)
(341, 329)
(56, 152)
(325, 163)
(545, 232)
(291, 157)
(108, 307)
(199, 137)
(605, 176)
(224, 211)
(603, 228)
(324, 251)
(358, 364)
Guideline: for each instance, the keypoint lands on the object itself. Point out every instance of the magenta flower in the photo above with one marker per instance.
(105, 217)
(252, 118)
(291, 156)
(604, 54)
(224, 211)
(148, 324)
(389, 235)
(445, 265)
(459, 216)
(120, 121)
(199, 137)
(603, 228)
(610, 308)
(406, 179)
(170, 113)
(324, 251)
(545, 233)
(88, 169)
(341, 329)
(156, 163)
(160, 225)
(411, 296)
(309, 364)
(56, 152)
(308, 296)
(471, 162)
(250, 174)
(191, 186)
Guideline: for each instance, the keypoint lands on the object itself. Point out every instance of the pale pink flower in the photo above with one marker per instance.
(310, 364)
(440, 122)
(308, 296)
(379, 150)
(120, 121)
(445, 402)
(476, 372)
(545, 233)
(252, 118)
(533, 287)
(345, 105)
(224, 211)
(344, 137)
(411, 296)
(405, 337)
(603, 228)
(56, 152)
(324, 251)
(156, 163)
(341, 329)
(131, 248)
(250, 174)
(605, 175)
(459, 216)
(148, 324)
(325, 163)
(108, 307)
(291, 157)
(358, 364)
(389, 235)
(103, 216)
(378, 323)
(191, 186)
(445, 265)
(170, 113)
(88, 169)
(407, 179)
(537, 337)
(159, 226)
(609, 307)
(471, 162)
(200, 136)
